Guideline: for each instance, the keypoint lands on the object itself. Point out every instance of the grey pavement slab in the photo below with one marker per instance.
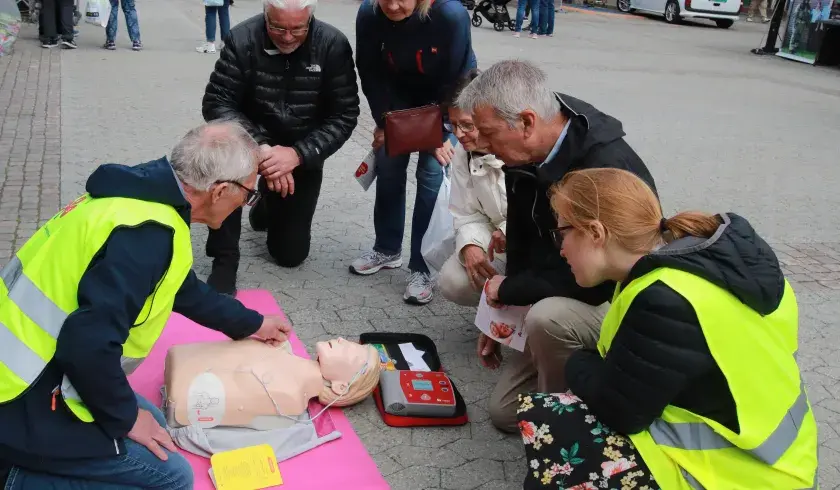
(720, 128)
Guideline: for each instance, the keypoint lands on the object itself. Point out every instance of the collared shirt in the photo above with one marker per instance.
(557, 145)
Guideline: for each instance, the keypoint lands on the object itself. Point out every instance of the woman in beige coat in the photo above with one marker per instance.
(478, 203)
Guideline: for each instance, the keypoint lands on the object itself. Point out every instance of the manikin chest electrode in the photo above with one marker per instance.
(417, 394)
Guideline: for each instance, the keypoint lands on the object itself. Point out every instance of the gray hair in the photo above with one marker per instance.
(510, 87)
(291, 5)
(213, 152)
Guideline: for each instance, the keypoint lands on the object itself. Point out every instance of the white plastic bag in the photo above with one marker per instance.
(97, 12)
(439, 241)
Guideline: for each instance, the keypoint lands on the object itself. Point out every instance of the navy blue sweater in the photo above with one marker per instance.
(111, 294)
(413, 62)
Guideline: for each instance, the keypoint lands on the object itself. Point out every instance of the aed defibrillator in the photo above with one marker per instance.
(407, 397)
(417, 394)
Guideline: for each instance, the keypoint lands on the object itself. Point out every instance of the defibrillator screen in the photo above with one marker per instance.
(421, 384)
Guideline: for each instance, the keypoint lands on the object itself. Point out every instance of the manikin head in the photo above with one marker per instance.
(351, 371)
(609, 218)
(515, 112)
(287, 22)
(399, 10)
(216, 164)
(461, 122)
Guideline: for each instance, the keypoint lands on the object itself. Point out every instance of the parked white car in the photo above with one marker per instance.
(723, 12)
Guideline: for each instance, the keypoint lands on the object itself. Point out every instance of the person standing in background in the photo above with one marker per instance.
(55, 23)
(410, 53)
(534, 5)
(546, 18)
(131, 22)
(756, 7)
(211, 9)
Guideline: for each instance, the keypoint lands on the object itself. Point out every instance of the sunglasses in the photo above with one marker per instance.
(557, 235)
(253, 195)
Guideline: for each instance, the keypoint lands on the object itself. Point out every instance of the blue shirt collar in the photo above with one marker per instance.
(557, 144)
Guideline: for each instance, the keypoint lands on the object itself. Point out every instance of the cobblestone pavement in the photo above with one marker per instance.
(702, 112)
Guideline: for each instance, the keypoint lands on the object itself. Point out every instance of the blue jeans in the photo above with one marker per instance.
(535, 15)
(546, 17)
(210, 21)
(389, 207)
(130, 21)
(137, 469)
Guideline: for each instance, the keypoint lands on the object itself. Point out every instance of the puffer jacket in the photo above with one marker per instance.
(307, 100)
(477, 199)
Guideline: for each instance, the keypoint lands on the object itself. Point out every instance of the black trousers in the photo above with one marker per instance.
(56, 20)
(289, 223)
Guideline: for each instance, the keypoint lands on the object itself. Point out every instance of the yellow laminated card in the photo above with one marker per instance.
(250, 468)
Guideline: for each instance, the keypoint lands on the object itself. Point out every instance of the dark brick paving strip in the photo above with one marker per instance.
(30, 140)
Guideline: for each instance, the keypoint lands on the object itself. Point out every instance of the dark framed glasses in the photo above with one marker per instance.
(465, 127)
(253, 195)
(557, 235)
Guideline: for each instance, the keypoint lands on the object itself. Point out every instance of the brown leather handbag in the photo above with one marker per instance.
(410, 130)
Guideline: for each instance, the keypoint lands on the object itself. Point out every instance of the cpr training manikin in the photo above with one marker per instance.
(220, 396)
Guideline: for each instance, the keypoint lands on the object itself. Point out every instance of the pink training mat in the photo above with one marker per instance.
(343, 463)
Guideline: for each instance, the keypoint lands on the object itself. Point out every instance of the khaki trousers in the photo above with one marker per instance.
(556, 327)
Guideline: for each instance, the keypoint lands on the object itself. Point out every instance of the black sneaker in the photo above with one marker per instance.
(223, 278)
(110, 45)
(137, 46)
(71, 44)
(50, 43)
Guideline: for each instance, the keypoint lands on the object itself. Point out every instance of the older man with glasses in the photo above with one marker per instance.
(84, 300)
(290, 80)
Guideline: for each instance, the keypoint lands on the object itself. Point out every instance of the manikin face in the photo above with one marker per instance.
(340, 360)
(397, 10)
(287, 28)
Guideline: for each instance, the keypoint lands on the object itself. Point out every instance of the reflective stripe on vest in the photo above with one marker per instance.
(699, 436)
(20, 359)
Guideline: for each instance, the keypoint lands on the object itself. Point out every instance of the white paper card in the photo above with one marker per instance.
(414, 357)
(366, 172)
(504, 325)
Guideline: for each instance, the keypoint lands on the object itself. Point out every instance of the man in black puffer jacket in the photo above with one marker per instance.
(290, 80)
(541, 136)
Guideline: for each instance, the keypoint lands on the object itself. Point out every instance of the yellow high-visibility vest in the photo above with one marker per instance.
(776, 447)
(38, 289)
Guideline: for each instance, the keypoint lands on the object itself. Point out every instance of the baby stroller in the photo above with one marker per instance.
(494, 11)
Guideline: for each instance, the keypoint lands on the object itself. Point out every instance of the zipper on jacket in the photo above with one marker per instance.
(419, 58)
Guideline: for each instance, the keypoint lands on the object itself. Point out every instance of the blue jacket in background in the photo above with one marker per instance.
(413, 62)
(111, 294)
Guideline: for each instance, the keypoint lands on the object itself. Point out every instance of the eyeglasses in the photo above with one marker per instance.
(465, 127)
(557, 235)
(253, 195)
(279, 30)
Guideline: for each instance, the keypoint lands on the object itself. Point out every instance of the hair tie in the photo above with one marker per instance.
(663, 225)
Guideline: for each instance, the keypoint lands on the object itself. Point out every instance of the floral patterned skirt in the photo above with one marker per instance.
(567, 447)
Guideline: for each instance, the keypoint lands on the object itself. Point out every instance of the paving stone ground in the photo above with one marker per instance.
(718, 127)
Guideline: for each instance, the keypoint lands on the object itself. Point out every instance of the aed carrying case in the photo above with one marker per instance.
(391, 342)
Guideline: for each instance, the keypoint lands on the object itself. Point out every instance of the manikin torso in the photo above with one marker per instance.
(246, 369)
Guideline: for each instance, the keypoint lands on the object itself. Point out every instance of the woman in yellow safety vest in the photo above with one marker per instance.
(693, 383)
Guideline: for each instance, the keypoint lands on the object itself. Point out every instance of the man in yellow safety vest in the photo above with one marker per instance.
(83, 302)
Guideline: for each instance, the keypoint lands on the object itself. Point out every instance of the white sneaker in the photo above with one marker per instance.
(516, 34)
(207, 48)
(373, 262)
(419, 290)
